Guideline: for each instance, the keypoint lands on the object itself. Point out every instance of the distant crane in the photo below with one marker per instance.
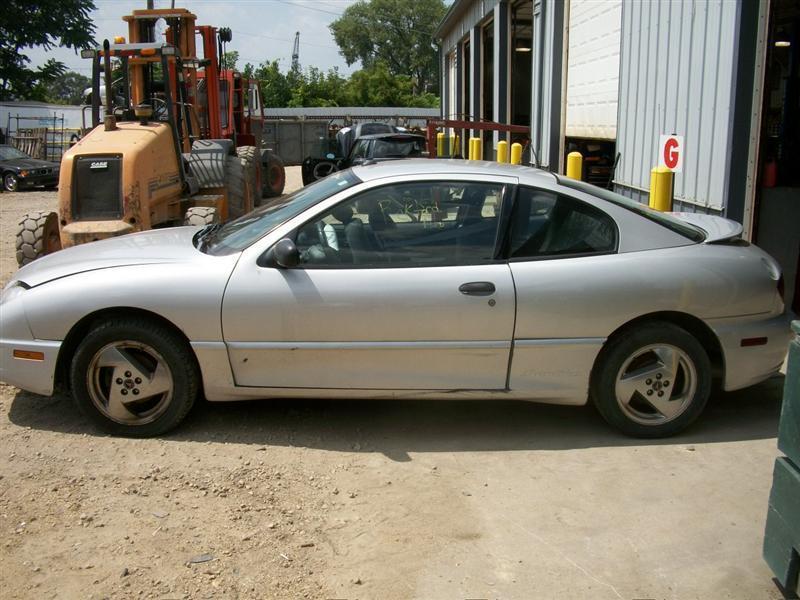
(296, 53)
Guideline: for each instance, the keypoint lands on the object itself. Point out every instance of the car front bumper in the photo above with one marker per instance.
(746, 365)
(37, 376)
(25, 362)
(37, 181)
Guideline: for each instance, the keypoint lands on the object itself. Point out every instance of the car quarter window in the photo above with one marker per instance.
(548, 224)
(435, 223)
(360, 150)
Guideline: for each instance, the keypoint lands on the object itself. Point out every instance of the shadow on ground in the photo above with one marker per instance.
(397, 427)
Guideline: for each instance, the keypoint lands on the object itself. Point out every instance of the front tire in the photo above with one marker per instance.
(201, 215)
(236, 187)
(10, 182)
(132, 377)
(252, 167)
(37, 235)
(653, 381)
(324, 168)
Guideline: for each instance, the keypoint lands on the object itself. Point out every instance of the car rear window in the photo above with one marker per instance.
(665, 220)
(397, 147)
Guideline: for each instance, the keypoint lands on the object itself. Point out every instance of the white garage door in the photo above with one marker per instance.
(593, 68)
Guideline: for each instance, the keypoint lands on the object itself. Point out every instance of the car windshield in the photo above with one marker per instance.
(9, 153)
(666, 220)
(238, 234)
(393, 148)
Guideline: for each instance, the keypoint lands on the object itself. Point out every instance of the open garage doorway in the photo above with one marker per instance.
(521, 66)
(777, 208)
(593, 64)
(487, 86)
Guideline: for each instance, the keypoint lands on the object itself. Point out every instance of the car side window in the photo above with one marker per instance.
(548, 224)
(406, 225)
(360, 150)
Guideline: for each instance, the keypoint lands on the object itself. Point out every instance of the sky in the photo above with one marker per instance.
(263, 30)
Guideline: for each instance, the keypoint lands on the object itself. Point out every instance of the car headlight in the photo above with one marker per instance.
(13, 289)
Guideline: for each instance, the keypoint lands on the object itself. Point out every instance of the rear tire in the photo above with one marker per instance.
(37, 235)
(651, 382)
(132, 377)
(201, 215)
(274, 179)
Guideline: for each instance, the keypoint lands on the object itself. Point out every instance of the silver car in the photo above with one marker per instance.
(406, 279)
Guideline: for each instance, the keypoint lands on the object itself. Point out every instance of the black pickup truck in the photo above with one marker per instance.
(359, 144)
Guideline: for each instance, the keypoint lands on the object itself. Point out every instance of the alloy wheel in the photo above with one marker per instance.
(129, 382)
(656, 384)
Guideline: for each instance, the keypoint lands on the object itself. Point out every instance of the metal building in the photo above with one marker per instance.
(610, 77)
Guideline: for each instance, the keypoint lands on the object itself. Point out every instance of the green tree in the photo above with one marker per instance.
(376, 86)
(316, 88)
(67, 88)
(46, 23)
(229, 60)
(398, 33)
(275, 89)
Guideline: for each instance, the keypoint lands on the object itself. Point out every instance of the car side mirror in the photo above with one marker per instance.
(286, 254)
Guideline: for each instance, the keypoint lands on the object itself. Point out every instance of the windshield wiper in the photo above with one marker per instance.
(203, 238)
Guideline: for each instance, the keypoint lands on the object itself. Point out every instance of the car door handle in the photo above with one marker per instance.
(477, 288)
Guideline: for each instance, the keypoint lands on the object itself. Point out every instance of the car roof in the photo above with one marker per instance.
(445, 167)
(398, 134)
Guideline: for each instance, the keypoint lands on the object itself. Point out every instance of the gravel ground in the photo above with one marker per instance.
(359, 499)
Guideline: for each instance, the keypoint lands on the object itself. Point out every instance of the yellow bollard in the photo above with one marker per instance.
(455, 142)
(478, 149)
(516, 153)
(473, 148)
(502, 151)
(439, 144)
(661, 189)
(575, 165)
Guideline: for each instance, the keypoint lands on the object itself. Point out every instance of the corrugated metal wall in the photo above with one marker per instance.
(473, 15)
(676, 76)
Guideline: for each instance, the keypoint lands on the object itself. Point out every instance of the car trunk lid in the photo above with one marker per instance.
(717, 229)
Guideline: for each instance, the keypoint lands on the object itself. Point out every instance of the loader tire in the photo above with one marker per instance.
(37, 235)
(201, 215)
(274, 179)
(249, 156)
(236, 187)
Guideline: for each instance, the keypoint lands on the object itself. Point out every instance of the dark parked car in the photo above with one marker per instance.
(20, 171)
(366, 147)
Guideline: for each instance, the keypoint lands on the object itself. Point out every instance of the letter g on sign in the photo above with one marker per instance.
(671, 152)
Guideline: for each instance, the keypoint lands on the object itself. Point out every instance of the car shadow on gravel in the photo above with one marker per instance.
(397, 427)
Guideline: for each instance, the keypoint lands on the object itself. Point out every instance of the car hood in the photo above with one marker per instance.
(29, 163)
(718, 229)
(158, 246)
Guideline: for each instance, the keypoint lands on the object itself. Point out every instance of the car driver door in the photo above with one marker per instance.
(398, 289)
